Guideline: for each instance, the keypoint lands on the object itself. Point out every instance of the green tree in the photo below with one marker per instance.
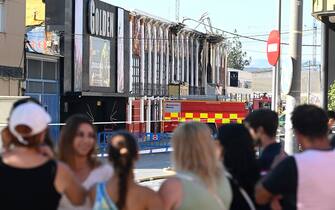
(237, 58)
(331, 97)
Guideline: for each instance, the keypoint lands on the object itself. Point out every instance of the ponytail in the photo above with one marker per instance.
(123, 155)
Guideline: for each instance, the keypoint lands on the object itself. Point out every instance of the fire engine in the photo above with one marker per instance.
(261, 102)
(213, 113)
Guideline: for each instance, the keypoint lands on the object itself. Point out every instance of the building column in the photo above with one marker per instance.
(167, 72)
(218, 59)
(222, 63)
(131, 66)
(142, 71)
(213, 63)
(196, 75)
(155, 86)
(142, 102)
(206, 61)
(172, 69)
(182, 58)
(161, 68)
(130, 110)
(148, 122)
(178, 58)
(192, 61)
(187, 54)
(150, 74)
(161, 109)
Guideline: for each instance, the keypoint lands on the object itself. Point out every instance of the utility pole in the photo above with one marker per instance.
(278, 67)
(325, 65)
(177, 10)
(293, 98)
(309, 83)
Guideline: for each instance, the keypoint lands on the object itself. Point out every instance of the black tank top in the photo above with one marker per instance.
(28, 188)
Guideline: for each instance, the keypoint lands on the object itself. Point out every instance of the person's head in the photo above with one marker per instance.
(194, 151)
(123, 152)
(23, 101)
(7, 139)
(310, 124)
(27, 125)
(238, 154)
(262, 124)
(331, 119)
(78, 140)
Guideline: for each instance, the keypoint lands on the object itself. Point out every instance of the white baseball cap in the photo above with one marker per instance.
(31, 115)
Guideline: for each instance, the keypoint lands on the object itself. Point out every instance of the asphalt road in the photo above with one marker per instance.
(152, 165)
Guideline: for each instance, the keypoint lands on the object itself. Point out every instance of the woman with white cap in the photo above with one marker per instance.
(29, 179)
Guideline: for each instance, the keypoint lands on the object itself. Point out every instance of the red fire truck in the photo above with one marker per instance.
(214, 113)
(261, 102)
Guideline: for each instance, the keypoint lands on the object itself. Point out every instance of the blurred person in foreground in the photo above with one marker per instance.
(304, 181)
(331, 125)
(200, 182)
(77, 149)
(121, 192)
(47, 147)
(30, 179)
(239, 159)
(262, 125)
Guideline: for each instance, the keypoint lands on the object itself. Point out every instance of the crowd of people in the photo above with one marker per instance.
(220, 173)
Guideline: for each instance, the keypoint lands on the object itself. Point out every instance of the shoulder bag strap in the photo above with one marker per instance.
(243, 192)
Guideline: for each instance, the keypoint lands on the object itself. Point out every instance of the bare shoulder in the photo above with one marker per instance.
(171, 184)
(171, 193)
(145, 190)
(150, 198)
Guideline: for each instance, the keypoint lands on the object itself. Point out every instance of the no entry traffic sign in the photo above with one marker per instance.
(273, 47)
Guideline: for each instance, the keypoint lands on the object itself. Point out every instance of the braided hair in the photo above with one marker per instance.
(123, 155)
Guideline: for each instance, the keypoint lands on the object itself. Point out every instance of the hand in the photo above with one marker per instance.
(6, 138)
(275, 203)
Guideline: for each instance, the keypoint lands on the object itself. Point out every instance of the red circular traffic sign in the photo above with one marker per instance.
(273, 47)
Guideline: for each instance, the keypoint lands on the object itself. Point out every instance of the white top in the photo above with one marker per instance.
(100, 174)
(316, 172)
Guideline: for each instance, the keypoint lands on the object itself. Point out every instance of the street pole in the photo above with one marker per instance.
(293, 98)
(278, 67)
(324, 65)
(274, 88)
(309, 83)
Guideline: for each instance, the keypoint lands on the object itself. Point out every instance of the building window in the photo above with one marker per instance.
(136, 75)
(2, 16)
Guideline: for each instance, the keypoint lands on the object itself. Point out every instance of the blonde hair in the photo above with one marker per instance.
(194, 151)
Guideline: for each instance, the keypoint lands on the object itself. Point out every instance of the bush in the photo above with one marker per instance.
(331, 97)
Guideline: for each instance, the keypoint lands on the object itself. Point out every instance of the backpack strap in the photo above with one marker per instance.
(242, 191)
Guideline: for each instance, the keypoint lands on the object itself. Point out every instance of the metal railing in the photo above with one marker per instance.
(147, 142)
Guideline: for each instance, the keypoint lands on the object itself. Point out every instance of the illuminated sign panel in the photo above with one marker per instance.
(323, 8)
(35, 12)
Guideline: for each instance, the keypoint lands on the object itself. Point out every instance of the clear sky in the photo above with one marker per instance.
(248, 17)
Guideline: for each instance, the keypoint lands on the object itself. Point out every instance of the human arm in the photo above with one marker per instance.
(281, 180)
(92, 195)
(171, 193)
(67, 183)
(154, 201)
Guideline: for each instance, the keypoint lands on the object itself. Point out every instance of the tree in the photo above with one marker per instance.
(331, 97)
(237, 59)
